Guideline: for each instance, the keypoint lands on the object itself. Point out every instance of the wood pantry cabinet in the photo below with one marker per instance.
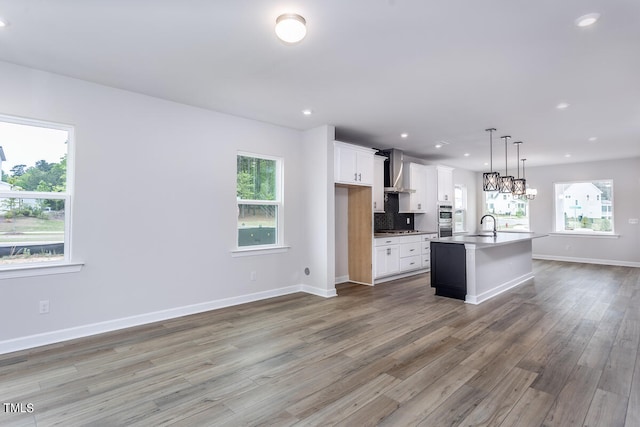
(414, 178)
(353, 164)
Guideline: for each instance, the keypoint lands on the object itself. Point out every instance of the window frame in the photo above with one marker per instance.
(581, 231)
(278, 202)
(460, 209)
(66, 265)
(486, 209)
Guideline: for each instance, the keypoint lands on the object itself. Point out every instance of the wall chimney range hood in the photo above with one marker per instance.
(394, 169)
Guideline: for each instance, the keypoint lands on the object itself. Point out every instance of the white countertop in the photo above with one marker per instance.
(487, 239)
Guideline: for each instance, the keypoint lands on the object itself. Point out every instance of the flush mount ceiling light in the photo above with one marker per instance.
(491, 179)
(291, 28)
(587, 20)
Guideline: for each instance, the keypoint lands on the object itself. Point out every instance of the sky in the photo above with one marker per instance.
(24, 144)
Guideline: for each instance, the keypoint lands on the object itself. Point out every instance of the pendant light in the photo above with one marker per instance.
(506, 181)
(530, 193)
(490, 179)
(519, 184)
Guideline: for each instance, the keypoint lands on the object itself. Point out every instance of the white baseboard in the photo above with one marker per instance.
(400, 276)
(587, 260)
(477, 299)
(342, 279)
(37, 340)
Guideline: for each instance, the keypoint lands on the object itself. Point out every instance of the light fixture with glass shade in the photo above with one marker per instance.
(530, 193)
(519, 184)
(506, 180)
(291, 28)
(490, 179)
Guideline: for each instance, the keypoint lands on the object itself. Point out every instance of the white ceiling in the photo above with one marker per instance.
(440, 70)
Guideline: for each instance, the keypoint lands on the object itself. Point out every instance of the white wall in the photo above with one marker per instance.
(319, 216)
(154, 211)
(624, 250)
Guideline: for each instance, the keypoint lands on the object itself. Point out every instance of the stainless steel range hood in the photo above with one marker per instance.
(394, 181)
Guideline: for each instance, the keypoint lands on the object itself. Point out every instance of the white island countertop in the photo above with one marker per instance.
(485, 238)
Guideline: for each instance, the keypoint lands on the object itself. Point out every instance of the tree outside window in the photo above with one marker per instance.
(34, 191)
(259, 195)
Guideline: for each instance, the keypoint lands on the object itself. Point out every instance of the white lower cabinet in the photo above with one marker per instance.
(400, 254)
(426, 249)
(387, 260)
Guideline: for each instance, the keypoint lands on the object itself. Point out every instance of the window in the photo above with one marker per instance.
(591, 210)
(259, 195)
(35, 192)
(459, 208)
(511, 212)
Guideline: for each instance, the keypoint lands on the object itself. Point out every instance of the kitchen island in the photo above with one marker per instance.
(477, 267)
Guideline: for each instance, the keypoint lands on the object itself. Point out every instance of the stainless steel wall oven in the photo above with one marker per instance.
(445, 220)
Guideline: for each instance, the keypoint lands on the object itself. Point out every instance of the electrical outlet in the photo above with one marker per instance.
(44, 306)
(408, 221)
(253, 276)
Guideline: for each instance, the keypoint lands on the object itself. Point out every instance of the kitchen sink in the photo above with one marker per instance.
(481, 235)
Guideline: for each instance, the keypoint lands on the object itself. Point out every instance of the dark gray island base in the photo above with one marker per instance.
(475, 268)
(448, 275)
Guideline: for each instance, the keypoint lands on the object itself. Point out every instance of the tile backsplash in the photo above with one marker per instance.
(391, 219)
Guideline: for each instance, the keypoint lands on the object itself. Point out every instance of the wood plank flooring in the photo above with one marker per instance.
(561, 350)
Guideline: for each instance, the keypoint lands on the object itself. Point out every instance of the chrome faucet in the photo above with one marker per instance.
(495, 232)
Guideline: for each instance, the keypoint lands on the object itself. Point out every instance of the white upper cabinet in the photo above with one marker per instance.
(445, 183)
(353, 164)
(378, 184)
(440, 185)
(414, 178)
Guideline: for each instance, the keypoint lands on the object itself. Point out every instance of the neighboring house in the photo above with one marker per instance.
(584, 200)
(504, 204)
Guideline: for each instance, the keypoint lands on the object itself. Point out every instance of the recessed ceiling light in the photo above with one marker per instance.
(593, 138)
(562, 106)
(404, 135)
(3, 23)
(567, 155)
(486, 163)
(291, 28)
(307, 112)
(588, 19)
(438, 146)
(467, 154)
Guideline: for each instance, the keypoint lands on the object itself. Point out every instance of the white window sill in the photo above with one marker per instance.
(259, 251)
(31, 270)
(593, 235)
